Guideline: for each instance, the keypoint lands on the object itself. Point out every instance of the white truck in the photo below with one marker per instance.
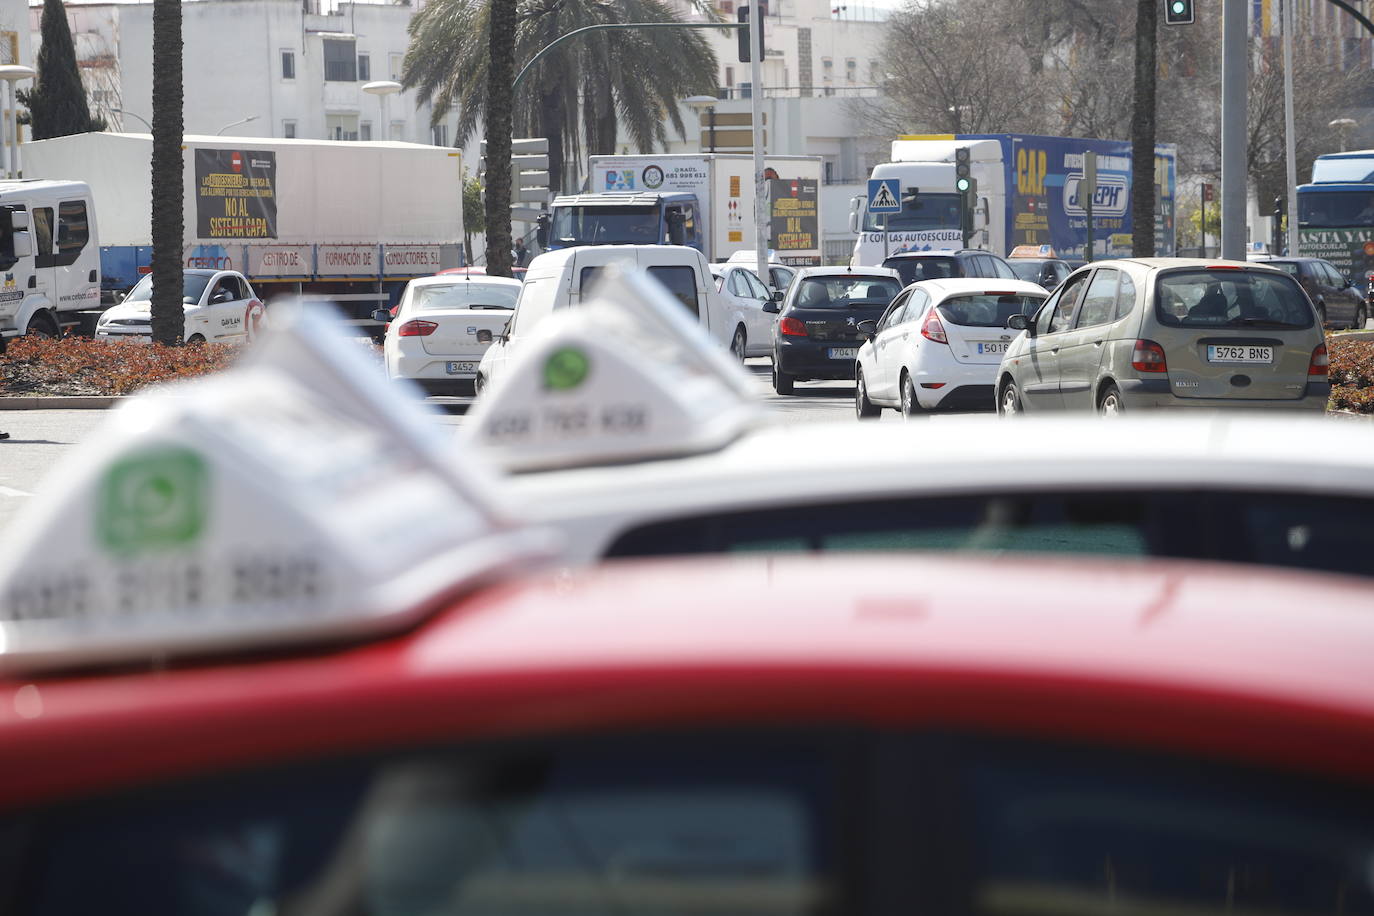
(49, 257)
(704, 201)
(344, 222)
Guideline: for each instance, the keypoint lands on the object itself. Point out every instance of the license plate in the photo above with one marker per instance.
(456, 368)
(844, 352)
(1229, 353)
(999, 347)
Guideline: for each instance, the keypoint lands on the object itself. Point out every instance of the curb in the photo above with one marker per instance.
(78, 402)
(1353, 335)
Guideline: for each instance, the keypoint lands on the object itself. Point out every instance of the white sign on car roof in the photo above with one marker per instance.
(625, 377)
(296, 498)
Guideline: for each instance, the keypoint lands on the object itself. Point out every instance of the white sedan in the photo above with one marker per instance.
(939, 344)
(443, 325)
(742, 287)
(220, 307)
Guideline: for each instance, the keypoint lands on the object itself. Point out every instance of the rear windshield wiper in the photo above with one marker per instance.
(1262, 323)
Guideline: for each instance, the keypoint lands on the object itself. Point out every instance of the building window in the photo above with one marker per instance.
(340, 61)
(288, 129)
(365, 131)
(729, 77)
(288, 65)
(364, 68)
(397, 132)
(828, 75)
(397, 62)
(341, 127)
(440, 133)
(851, 70)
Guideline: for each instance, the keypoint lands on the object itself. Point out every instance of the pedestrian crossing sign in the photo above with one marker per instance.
(884, 195)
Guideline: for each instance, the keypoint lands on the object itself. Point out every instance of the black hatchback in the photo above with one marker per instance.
(912, 266)
(816, 335)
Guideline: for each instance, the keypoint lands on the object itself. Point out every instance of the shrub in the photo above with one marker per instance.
(81, 366)
(1352, 374)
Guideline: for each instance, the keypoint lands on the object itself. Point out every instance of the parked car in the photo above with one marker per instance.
(1047, 272)
(220, 307)
(1339, 301)
(816, 335)
(1168, 332)
(779, 274)
(938, 345)
(442, 326)
(912, 266)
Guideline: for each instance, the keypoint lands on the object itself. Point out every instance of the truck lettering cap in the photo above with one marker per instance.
(298, 498)
(626, 377)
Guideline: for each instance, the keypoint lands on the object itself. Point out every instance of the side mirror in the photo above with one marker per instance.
(1020, 322)
(381, 316)
(504, 336)
(856, 207)
(868, 328)
(484, 336)
(677, 227)
(23, 244)
(541, 231)
(772, 308)
(19, 220)
(778, 295)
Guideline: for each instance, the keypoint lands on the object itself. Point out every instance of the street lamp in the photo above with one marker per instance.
(1343, 126)
(234, 124)
(11, 74)
(706, 103)
(383, 89)
(121, 112)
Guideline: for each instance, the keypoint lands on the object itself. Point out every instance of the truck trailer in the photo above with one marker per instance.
(1027, 193)
(705, 201)
(338, 221)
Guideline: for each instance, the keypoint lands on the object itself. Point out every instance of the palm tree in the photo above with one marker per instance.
(500, 75)
(1143, 132)
(168, 317)
(580, 93)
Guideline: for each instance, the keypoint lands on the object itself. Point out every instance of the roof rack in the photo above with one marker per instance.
(626, 377)
(298, 498)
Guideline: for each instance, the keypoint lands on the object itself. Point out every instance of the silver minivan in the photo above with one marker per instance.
(1167, 332)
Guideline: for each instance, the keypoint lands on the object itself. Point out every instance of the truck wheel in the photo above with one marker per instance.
(737, 344)
(195, 340)
(43, 325)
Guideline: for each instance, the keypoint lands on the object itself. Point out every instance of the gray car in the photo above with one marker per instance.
(1167, 332)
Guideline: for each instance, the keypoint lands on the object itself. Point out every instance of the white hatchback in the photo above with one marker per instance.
(742, 286)
(443, 325)
(939, 344)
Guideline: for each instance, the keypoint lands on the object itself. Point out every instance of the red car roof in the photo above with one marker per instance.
(1238, 662)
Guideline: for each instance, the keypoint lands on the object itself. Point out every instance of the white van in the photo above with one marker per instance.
(557, 280)
(49, 256)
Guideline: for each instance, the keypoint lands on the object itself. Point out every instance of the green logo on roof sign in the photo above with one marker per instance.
(566, 369)
(152, 501)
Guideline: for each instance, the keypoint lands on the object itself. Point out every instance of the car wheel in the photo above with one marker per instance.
(863, 407)
(782, 382)
(737, 344)
(1110, 405)
(43, 325)
(910, 406)
(195, 340)
(1009, 401)
(1361, 318)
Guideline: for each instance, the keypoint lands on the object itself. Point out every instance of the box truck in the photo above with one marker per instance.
(49, 257)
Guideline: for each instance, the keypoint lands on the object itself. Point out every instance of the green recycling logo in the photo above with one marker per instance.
(565, 369)
(153, 500)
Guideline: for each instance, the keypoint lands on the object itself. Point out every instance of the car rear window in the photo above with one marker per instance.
(914, 269)
(1026, 270)
(465, 295)
(987, 310)
(842, 292)
(1231, 299)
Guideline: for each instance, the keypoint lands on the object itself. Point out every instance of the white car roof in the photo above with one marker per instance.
(846, 272)
(950, 286)
(460, 279)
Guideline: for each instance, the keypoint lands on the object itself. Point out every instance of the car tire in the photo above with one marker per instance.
(1110, 404)
(1361, 317)
(782, 382)
(195, 340)
(863, 407)
(910, 406)
(42, 324)
(1009, 401)
(738, 343)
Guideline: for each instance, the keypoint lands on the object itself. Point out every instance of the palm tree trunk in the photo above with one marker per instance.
(168, 317)
(500, 76)
(1143, 132)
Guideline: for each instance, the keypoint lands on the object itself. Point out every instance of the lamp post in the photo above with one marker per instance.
(121, 112)
(383, 89)
(1343, 126)
(9, 121)
(235, 124)
(706, 103)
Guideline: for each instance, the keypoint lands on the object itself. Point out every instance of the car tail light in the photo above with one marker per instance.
(791, 327)
(933, 329)
(416, 327)
(1148, 356)
(1321, 362)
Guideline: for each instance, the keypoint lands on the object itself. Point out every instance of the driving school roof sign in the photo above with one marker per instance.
(236, 194)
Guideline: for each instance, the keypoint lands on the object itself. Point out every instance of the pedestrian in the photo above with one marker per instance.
(521, 253)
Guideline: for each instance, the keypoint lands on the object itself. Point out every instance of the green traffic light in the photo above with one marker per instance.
(961, 184)
(1179, 7)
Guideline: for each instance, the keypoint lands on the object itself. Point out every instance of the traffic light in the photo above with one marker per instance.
(529, 184)
(742, 16)
(1178, 12)
(962, 172)
(1279, 209)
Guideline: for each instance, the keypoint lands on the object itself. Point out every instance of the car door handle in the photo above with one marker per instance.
(90, 278)
(1054, 349)
(1098, 343)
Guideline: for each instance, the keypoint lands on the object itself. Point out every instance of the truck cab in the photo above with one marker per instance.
(49, 256)
(648, 218)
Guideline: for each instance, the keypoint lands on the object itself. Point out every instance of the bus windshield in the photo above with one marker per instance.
(1343, 209)
(919, 212)
(605, 226)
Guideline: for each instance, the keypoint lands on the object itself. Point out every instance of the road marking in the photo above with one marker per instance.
(11, 491)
